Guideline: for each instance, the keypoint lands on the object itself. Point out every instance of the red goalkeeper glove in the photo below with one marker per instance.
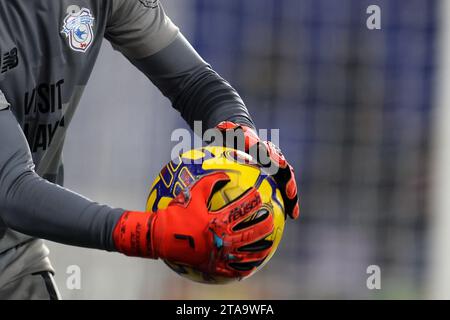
(285, 175)
(187, 232)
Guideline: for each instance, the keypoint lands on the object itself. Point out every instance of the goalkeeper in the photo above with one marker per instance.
(47, 51)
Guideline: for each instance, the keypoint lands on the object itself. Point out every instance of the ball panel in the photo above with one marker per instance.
(195, 154)
(197, 276)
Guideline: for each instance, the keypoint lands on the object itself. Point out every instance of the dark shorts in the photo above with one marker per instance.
(38, 286)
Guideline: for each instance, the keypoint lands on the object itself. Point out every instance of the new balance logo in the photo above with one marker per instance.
(9, 60)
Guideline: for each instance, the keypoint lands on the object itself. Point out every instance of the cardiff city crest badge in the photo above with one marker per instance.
(78, 28)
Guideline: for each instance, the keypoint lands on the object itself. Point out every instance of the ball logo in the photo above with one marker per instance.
(78, 28)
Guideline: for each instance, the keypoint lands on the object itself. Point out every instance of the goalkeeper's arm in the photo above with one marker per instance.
(194, 88)
(33, 206)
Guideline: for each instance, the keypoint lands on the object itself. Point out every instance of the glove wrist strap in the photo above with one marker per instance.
(133, 235)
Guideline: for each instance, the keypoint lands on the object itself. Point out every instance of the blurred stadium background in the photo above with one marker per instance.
(362, 118)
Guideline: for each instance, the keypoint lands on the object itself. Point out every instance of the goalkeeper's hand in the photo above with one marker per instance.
(284, 176)
(187, 232)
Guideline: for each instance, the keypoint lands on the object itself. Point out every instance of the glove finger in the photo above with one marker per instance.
(250, 235)
(227, 272)
(291, 188)
(276, 155)
(234, 269)
(295, 212)
(207, 186)
(291, 207)
(247, 257)
(246, 267)
(241, 208)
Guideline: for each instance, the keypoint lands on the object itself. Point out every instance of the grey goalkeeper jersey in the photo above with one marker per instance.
(47, 51)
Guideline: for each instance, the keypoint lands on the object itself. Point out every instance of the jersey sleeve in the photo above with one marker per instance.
(194, 88)
(139, 28)
(35, 207)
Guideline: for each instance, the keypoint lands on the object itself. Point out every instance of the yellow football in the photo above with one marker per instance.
(244, 174)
